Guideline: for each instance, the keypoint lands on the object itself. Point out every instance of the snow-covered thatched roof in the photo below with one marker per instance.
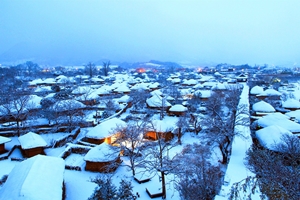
(82, 90)
(39, 177)
(178, 108)
(4, 140)
(271, 136)
(203, 93)
(295, 114)
(157, 101)
(69, 104)
(163, 125)
(269, 92)
(291, 103)
(31, 140)
(102, 153)
(280, 120)
(124, 99)
(189, 82)
(106, 128)
(34, 102)
(257, 90)
(122, 88)
(263, 106)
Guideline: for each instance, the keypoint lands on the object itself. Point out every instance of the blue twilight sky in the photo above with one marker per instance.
(185, 31)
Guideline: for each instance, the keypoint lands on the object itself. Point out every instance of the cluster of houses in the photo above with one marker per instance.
(99, 152)
(273, 116)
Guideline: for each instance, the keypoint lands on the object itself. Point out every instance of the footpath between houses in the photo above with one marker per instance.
(236, 169)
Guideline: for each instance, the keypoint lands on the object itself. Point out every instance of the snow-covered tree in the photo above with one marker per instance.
(125, 191)
(105, 189)
(198, 179)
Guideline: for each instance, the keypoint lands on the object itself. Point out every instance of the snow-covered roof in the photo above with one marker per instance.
(257, 90)
(39, 177)
(124, 99)
(272, 135)
(291, 103)
(102, 153)
(34, 102)
(4, 139)
(269, 92)
(81, 90)
(122, 88)
(295, 114)
(106, 128)
(190, 82)
(43, 89)
(154, 85)
(143, 86)
(263, 106)
(91, 96)
(156, 92)
(178, 108)
(175, 80)
(69, 104)
(163, 126)
(156, 101)
(280, 120)
(219, 86)
(31, 140)
(203, 93)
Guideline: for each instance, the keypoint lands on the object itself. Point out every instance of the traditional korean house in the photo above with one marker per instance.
(177, 110)
(160, 129)
(105, 131)
(32, 144)
(102, 158)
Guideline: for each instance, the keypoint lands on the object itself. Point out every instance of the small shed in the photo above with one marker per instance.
(3, 140)
(39, 177)
(102, 158)
(105, 131)
(177, 110)
(32, 144)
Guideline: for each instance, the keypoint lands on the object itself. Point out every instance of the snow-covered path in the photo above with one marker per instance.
(236, 169)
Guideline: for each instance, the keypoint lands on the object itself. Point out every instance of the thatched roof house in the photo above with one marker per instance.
(32, 144)
(103, 158)
(105, 132)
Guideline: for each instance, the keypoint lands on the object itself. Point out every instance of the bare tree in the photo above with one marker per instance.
(198, 179)
(16, 107)
(91, 69)
(157, 159)
(68, 112)
(182, 125)
(138, 99)
(130, 140)
(105, 68)
(222, 119)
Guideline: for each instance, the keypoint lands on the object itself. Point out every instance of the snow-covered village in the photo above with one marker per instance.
(149, 99)
(106, 132)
